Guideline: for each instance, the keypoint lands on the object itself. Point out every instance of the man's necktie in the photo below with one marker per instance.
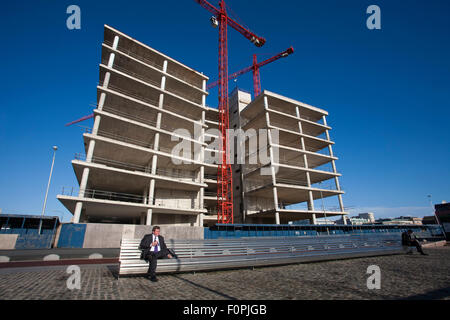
(156, 247)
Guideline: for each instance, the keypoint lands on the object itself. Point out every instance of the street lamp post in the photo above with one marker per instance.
(48, 186)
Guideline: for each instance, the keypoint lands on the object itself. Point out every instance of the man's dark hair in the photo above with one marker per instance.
(409, 230)
(155, 227)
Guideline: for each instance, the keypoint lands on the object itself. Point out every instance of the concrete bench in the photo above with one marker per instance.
(198, 255)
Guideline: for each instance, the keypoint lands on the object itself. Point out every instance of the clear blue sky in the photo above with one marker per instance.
(387, 91)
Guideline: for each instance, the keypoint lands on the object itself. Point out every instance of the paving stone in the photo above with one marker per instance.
(402, 277)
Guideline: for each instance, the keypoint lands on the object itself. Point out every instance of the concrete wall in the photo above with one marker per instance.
(102, 235)
(169, 232)
(8, 241)
(176, 198)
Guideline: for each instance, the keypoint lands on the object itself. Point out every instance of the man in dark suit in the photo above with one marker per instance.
(409, 239)
(153, 248)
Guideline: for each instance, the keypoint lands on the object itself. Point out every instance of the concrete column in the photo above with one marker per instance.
(200, 220)
(154, 164)
(148, 222)
(96, 124)
(90, 151)
(165, 66)
(101, 101)
(83, 183)
(106, 80)
(77, 213)
(116, 42)
(111, 60)
(275, 200)
(79, 205)
(204, 96)
(151, 192)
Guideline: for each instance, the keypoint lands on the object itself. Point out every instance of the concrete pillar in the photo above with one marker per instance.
(116, 42)
(106, 80)
(151, 192)
(90, 151)
(204, 96)
(148, 222)
(77, 213)
(111, 60)
(313, 218)
(96, 124)
(101, 101)
(275, 198)
(154, 163)
(83, 183)
(200, 220)
(145, 196)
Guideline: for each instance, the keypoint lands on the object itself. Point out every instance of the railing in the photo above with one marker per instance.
(133, 198)
(294, 114)
(144, 144)
(134, 55)
(155, 103)
(120, 138)
(145, 121)
(127, 51)
(154, 82)
(133, 167)
(250, 185)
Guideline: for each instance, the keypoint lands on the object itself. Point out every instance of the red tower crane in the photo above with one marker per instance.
(255, 68)
(221, 19)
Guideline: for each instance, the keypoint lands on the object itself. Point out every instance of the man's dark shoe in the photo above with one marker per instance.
(424, 254)
(153, 279)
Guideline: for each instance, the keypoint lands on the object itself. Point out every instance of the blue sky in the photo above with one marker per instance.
(386, 91)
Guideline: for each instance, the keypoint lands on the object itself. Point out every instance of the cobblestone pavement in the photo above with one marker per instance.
(402, 276)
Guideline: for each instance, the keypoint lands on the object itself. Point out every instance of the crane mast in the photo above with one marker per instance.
(224, 171)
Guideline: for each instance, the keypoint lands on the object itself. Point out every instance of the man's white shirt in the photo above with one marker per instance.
(155, 238)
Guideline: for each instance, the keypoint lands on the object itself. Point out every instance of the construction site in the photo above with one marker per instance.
(132, 170)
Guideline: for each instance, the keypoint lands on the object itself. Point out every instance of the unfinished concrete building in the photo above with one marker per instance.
(148, 104)
(298, 154)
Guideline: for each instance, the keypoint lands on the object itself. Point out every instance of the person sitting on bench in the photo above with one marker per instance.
(409, 239)
(153, 248)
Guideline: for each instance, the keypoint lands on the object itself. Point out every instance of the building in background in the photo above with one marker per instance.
(133, 170)
(300, 170)
(443, 215)
(360, 219)
(429, 220)
(128, 173)
(405, 220)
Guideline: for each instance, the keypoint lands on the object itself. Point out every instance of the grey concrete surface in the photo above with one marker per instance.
(402, 277)
(8, 241)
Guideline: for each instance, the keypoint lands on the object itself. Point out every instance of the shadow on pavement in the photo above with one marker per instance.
(206, 288)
